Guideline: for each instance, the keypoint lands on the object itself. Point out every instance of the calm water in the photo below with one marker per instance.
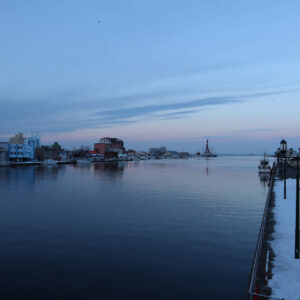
(180, 229)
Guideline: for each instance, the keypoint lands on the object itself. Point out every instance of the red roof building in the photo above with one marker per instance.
(108, 145)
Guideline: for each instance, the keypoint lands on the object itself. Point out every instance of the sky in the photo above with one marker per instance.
(152, 73)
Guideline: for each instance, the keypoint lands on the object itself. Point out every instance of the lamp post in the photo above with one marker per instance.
(283, 146)
(284, 177)
(297, 254)
(283, 150)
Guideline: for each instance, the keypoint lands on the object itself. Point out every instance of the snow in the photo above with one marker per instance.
(286, 270)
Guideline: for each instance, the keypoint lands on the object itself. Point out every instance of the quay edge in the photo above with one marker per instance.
(261, 270)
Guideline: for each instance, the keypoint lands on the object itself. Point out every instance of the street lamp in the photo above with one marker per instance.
(283, 147)
(283, 150)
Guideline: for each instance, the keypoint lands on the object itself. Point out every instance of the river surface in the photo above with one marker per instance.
(164, 229)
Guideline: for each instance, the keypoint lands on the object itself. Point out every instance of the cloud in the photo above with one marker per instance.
(255, 130)
(177, 114)
(70, 112)
(129, 115)
(137, 111)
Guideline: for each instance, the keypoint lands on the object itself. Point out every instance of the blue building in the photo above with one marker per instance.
(20, 148)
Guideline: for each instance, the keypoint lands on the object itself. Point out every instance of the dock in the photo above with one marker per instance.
(32, 163)
(25, 163)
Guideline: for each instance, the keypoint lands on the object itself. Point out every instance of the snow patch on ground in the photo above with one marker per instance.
(286, 270)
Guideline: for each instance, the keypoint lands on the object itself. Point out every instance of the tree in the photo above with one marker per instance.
(39, 154)
(56, 146)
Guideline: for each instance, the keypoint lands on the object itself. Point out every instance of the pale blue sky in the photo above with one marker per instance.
(152, 72)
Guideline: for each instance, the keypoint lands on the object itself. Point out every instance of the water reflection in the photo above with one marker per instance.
(264, 179)
(207, 164)
(48, 171)
(113, 169)
(150, 229)
(17, 175)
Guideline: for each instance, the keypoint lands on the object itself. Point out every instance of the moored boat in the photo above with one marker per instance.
(264, 166)
(83, 161)
(208, 152)
(50, 162)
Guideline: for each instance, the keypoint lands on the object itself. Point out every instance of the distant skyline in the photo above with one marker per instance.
(152, 73)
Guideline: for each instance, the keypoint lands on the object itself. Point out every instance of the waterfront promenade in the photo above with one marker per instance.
(286, 269)
(275, 269)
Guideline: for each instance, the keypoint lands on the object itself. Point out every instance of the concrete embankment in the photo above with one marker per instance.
(32, 163)
(261, 270)
(276, 270)
(61, 162)
(5, 163)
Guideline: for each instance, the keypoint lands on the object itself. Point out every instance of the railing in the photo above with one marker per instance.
(257, 296)
(253, 293)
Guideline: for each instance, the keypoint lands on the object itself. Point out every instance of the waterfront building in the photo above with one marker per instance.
(160, 150)
(4, 151)
(54, 152)
(184, 155)
(21, 148)
(20, 152)
(17, 139)
(34, 140)
(171, 154)
(157, 152)
(3, 154)
(92, 153)
(123, 156)
(64, 155)
(143, 155)
(132, 154)
(109, 147)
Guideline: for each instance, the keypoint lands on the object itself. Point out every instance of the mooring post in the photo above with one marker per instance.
(297, 212)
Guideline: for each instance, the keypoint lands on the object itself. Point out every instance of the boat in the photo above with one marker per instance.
(208, 152)
(98, 158)
(83, 161)
(50, 162)
(264, 166)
